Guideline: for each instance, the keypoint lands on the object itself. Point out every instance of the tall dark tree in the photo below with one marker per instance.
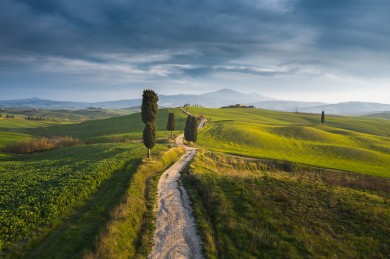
(187, 129)
(149, 136)
(171, 125)
(149, 112)
(194, 129)
(323, 117)
(191, 131)
(149, 108)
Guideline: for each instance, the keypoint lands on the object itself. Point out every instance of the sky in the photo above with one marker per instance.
(98, 50)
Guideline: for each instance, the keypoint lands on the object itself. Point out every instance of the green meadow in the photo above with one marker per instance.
(113, 129)
(14, 130)
(310, 189)
(356, 144)
(71, 115)
(247, 208)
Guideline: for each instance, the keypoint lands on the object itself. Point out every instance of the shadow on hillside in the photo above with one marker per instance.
(78, 231)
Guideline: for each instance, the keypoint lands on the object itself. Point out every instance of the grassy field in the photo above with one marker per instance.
(57, 202)
(97, 200)
(255, 209)
(71, 115)
(39, 190)
(116, 129)
(382, 115)
(354, 144)
(14, 130)
(113, 129)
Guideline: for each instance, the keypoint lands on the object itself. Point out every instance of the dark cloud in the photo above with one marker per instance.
(126, 42)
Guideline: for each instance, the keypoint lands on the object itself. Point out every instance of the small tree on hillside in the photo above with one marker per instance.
(171, 125)
(323, 117)
(149, 112)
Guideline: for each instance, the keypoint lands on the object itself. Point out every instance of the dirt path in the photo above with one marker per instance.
(175, 235)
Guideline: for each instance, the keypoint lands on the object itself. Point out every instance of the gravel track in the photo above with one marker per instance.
(176, 235)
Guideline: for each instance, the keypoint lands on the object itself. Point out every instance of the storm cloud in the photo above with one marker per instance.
(95, 49)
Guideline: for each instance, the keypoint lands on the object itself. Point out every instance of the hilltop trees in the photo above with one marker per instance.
(191, 129)
(323, 117)
(149, 112)
(171, 125)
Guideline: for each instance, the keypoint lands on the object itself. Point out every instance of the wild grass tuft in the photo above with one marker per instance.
(41, 144)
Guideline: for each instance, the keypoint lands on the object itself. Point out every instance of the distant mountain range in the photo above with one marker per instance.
(213, 99)
(219, 98)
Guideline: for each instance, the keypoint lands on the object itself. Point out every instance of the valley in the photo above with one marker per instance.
(310, 189)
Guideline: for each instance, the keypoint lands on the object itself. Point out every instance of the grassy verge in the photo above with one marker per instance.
(129, 233)
(254, 209)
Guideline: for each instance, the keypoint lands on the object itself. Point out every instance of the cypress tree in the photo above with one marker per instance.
(171, 125)
(187, 129)
(149, 136)
(323, 117)
(149, 112)
(194, 129)
(149, 108)
(191, 129)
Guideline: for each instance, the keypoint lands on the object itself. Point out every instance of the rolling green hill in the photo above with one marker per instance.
(71, 115)
(126, 127)
(354, 144)
(105, 130)
(14, 130)
(382, 115)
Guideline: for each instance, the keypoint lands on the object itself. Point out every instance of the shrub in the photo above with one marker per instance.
(41, 144)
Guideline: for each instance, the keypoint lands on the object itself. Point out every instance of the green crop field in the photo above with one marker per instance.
(356, 144)
(72, 191)
(255, 209)
(36, 190)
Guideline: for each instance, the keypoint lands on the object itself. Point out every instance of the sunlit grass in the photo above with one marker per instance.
(255, 209)
(130, 127)
(253, 134)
